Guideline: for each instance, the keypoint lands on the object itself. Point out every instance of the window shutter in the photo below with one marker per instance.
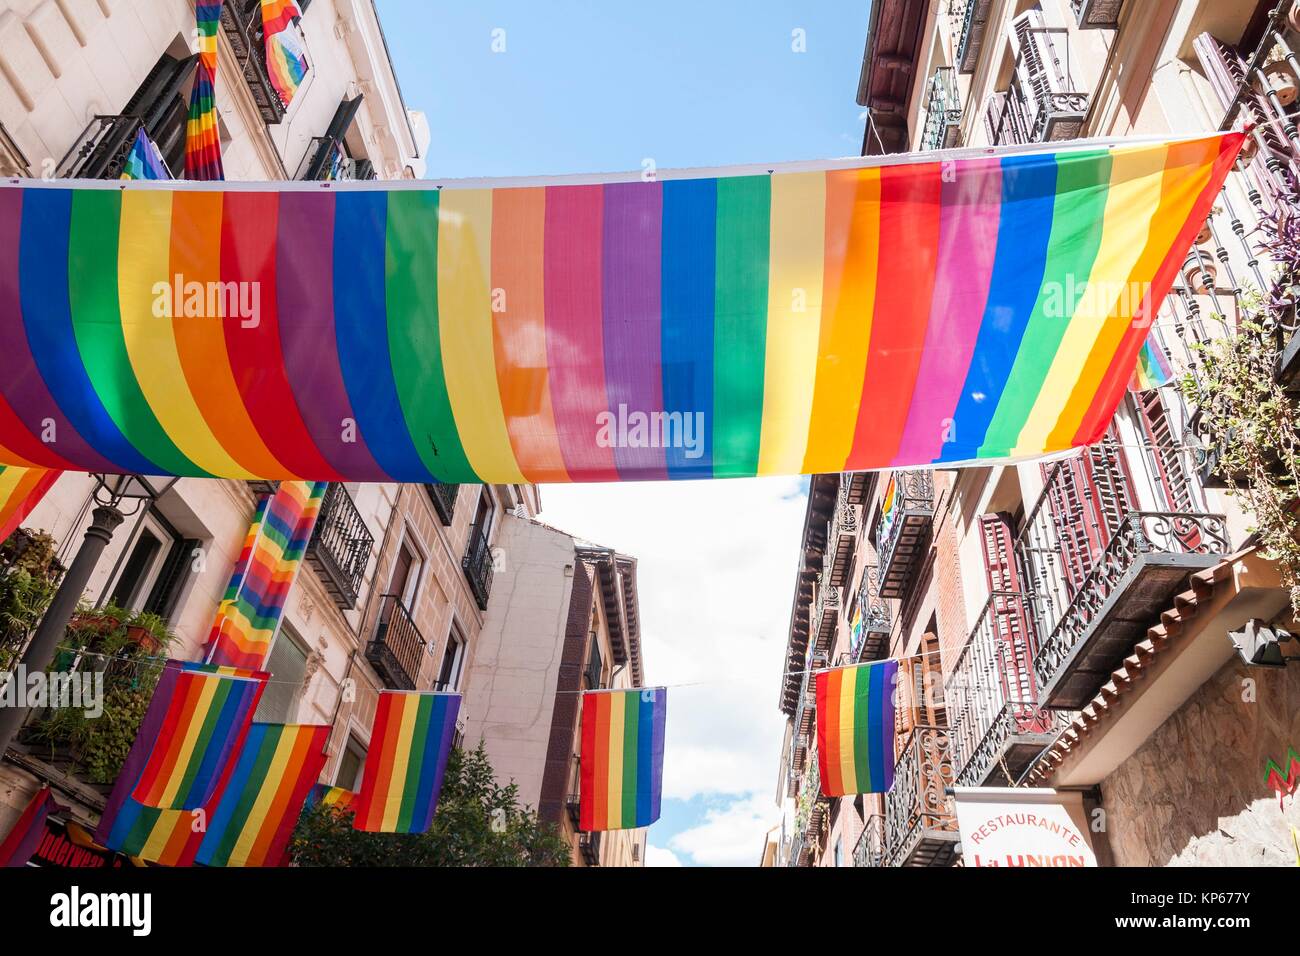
(1015, 645)
(167, 589)
(1177, 492)
(1089, 497)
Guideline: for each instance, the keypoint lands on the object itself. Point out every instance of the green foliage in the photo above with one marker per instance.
(478, 823)
(123, 646)
(26, 588)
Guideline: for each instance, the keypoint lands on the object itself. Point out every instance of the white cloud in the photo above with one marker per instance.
(731, 835)
(659, 856)
(716, 563)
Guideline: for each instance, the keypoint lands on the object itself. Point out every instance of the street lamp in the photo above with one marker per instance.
(111, 494)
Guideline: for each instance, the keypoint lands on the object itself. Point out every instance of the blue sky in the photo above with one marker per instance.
(600, 87)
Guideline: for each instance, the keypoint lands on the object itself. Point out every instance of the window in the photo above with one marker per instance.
(839, 852)
(453, 662)
(350, 765)
(405, 579)
(287, 663)
(151, 573)
(595, 665)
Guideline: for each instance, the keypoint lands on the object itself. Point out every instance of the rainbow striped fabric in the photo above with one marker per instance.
(25, 835)
(202, 137)
(168, 837)
(863, 314)
(402, 777)
(144, 161)
(255, 817)
(622, 758)
(206, 716)
(250, 612)
(286, 61)
(21, 489)
(855, 728)
(340, 798)
(1153, 368)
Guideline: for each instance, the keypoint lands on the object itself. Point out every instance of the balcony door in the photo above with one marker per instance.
(406, 573)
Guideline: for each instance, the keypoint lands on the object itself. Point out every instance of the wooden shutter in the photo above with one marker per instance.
(1088, 497)
(1172, 480)
(1012, 627)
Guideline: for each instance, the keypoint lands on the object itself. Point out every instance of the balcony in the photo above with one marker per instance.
(12, 160)
(870, 848)
(920, 822)
(1146, 561)
(974, 24)
(340, 545)
(806, 716)
(397, 648)
(573, 800)
(444, 500)
(826, 615)
(871, 641)
(843, 537)
(1044, 102)
(100, 151)
(942, 112)
(478, 567)
(1097, 14)
(589, 847)
(998, 727)
(327, 158)
(904, 529)
(242, 22)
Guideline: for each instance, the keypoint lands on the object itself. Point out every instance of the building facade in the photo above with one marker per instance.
(397, 585)
(565, 620)
(1066, 624)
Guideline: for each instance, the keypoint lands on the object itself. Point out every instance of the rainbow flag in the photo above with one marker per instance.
(622, 758)
(255, 817)
(250, 612)
(1153, 369)
(409, 745)
(1283, 780)
(843, 316)
(855, 728)
(202, 137)
(205, 715)
(167, 837)
(25, 835)
(286, 61)
(144, 161)
(340, 798)
(21, 490)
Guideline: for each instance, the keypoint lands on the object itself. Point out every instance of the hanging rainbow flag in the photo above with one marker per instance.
(1153, 369)
(25, 835)
(409, 745)
(206, 714)
(1283, 779)
(255, 817)
(167, 837)
(21, 490)
(202, 137)
(855, 728)
(250, 612)
(286, 60)
(340, 798)
(144, 161)
(622, 758)
(839, 316)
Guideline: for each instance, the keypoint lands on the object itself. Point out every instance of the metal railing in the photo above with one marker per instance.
(974, 17)
(340, 545)
(913, 494)
(478, 567)
(870, 848)
(444, 500)
(1044, 101)
(873, 614)
(942, 111)
(1097, 14)
(242, 22)
(101, 150)
(328, 159)
(397, 649)
(918, 801)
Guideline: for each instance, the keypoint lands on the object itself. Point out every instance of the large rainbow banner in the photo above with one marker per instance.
(843, 315)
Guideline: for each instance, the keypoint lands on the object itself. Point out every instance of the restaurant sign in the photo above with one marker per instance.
(1023, 826)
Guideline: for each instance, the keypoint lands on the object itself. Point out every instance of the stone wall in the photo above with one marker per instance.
(1194, 793)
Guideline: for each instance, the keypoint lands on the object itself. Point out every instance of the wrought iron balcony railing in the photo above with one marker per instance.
(826, 614)
(1147, 560)
(920, 822)
(974, 24)
(871, 641)
(998, 727)
(327, 158)
(478, 568)
(340, 545)
(397, 649)
(242, 22)
(1044, 101)
(1097, 14)
(843, 537)
(904, 529)
(100, 151)
(942, 111)
(573, 800)
(444, 500)
(589, 847)
(870, 848)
